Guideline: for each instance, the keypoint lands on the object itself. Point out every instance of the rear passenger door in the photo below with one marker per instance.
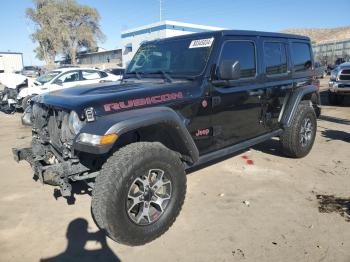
(66, 80)
(277, 78)
(236, 104)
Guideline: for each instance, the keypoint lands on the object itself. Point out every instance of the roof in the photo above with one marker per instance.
(101, 52)
(237, 33)
(171, 25)
(11, 53)
(67, 69)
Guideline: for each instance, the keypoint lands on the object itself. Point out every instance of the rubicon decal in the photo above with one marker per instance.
(142, 101)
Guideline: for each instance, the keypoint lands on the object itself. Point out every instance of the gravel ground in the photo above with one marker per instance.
(269, 209)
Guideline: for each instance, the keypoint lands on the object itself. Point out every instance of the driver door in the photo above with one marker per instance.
(236, 104)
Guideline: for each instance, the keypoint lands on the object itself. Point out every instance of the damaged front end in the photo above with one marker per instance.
(52, 157)
(13, 83)
(8, 100)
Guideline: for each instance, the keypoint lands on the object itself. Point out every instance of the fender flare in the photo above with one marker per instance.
(124, 122)
(293, 101)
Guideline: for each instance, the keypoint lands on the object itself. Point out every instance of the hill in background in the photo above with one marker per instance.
(321, 34)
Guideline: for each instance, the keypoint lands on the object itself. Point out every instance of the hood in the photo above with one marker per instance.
(12, 80)
(111, 97)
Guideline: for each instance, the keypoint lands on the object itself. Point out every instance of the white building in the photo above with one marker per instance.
(10, 62)
(133, 38)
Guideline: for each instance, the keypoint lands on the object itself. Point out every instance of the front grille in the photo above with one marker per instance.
(344, 75)
(52, 126)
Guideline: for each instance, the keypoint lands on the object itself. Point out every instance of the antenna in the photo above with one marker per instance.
(160, 10)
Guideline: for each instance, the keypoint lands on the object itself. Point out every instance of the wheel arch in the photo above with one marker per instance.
(158, 124)
(307, 93)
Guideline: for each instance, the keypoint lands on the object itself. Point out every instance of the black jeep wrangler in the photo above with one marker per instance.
(183, 102)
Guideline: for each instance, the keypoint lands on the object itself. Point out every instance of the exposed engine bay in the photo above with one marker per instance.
(52, 155)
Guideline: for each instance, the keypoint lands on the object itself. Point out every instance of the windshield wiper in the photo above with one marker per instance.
(167, 77)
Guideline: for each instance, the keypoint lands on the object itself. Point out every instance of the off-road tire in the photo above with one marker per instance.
(110, 192)
(290, 139)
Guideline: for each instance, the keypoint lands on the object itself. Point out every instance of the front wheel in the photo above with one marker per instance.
(139, 193)
(298, 139)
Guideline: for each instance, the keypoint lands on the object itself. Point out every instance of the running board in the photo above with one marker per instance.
(235, 148)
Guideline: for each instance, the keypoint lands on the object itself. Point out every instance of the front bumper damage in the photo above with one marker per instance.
(58, 174)
(8, 101)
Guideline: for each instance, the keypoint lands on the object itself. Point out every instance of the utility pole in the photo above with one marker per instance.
(160, 10)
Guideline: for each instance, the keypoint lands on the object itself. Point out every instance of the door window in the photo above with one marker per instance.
(301, 57)
(103, 74)
(275, 57)
(242, 51)
(90, 75)
(70, 77)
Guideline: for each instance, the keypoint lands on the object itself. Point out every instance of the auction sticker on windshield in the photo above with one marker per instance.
(202, 43)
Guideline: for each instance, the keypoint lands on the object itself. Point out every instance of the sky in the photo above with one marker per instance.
(268, 15)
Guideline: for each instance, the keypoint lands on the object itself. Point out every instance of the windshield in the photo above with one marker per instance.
(29, 68)
(185, 57)
(48, 77)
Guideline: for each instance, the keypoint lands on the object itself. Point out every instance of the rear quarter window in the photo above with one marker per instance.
(103, 74)
(275, 57)
(301, 57)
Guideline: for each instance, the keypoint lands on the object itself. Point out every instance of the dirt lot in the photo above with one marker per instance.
(273, 209)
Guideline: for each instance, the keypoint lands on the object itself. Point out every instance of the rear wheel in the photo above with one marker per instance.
(298, 139)
(139, 193)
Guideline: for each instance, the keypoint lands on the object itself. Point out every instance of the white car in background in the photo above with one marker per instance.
(63, 78)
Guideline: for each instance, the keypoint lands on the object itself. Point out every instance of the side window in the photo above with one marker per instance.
(242, 51)
(70, 77)
(275, 58)
(103, 74)
(301, 57)
(90, 74)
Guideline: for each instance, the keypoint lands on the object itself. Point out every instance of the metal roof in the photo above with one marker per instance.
(236, 33)
(171, 25)
(11, 53)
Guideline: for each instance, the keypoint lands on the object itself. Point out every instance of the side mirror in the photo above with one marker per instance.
(59, 82)
(229, 70)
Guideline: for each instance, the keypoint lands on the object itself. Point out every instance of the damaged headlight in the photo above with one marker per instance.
(74, 123)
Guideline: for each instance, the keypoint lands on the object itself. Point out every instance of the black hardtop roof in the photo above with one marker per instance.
(237, 33)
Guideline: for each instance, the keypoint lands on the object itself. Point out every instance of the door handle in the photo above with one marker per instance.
(256, 93)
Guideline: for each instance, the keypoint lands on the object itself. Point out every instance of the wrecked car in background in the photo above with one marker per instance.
(18, 98)
(13, 85)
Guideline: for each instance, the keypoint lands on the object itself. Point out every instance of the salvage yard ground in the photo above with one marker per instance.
(255, 206)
